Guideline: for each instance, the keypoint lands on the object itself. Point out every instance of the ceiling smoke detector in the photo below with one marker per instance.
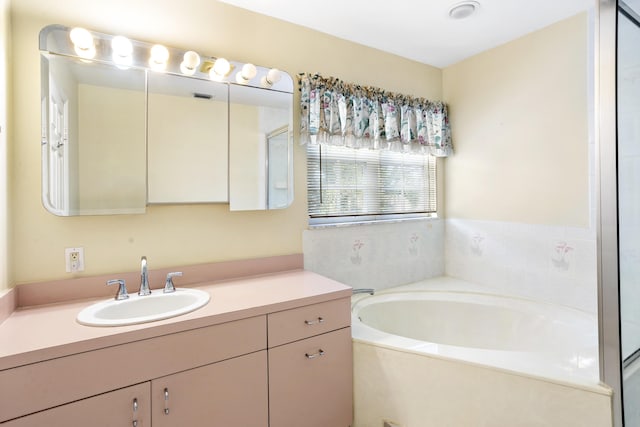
(463, 10)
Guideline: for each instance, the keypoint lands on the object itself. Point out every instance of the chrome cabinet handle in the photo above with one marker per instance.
(166, 401)
(135, 409)
(314, 355)
(314, 322)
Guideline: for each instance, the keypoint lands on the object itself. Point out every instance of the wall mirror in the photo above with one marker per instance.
(187, 140)
(127, 123)
(260, 155)
(93, 144)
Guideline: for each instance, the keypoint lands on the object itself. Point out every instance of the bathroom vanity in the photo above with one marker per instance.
(272, 350)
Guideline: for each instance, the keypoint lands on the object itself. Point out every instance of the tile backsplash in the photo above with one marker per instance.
(548, 263)
(377, 256)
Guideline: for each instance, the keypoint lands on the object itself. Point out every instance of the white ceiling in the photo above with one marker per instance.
(420, 29)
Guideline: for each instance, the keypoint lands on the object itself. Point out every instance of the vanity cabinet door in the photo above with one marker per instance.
(130, 406)
(223, 394)
(310, 382)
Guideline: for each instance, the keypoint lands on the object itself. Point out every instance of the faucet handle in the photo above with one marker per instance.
(122, 289)
(168, 284)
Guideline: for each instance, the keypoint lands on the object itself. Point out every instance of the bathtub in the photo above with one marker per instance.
(406, 339)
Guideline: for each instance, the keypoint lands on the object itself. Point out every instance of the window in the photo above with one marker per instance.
(346, 184)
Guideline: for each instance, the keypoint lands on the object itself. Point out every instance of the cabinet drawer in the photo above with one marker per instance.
(303, 322)
(115, 408)
(310, 382)
(42, 385)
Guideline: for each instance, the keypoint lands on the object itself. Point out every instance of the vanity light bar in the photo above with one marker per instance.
(126, 53)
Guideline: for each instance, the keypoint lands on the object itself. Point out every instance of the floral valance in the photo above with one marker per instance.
(338, 113)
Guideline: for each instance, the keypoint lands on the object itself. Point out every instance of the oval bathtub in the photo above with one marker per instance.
(508, 333)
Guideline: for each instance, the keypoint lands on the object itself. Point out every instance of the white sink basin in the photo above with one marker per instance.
(142, 309)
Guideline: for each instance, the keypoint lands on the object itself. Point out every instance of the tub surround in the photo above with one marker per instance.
(241, 310)
(379, 255)
(433, 392)
(455, 319)
(499, 383)
(547, 263)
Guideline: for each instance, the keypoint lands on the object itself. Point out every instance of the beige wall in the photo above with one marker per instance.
(5, 91)
(520, 129)
(174, 235)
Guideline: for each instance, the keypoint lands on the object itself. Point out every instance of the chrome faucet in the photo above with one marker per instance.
(144, 278)
(369, 291)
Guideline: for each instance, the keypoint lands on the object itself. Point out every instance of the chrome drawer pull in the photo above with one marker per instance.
(166, 401)
(135, 409)
(314, 355)
(314, 322)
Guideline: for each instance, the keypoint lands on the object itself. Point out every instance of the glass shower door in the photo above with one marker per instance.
(628, 108)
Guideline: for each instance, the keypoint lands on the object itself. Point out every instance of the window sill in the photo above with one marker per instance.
(354, 221)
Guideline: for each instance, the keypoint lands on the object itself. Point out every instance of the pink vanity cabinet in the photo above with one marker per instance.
(310, 366)
(214, 374)
(273, 351)
(128, 406)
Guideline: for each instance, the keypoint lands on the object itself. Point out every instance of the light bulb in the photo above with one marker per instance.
(221, 67)
(81, 38)
(122, 51)
(83, 43)
(249, 71)
(239, 79)
(274, 75)
(159, 57)
(189, 63)
(121, 46)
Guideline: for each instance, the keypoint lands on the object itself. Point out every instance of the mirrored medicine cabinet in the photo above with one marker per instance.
(124, 126)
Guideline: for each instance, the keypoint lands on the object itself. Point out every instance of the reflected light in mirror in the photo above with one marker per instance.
(83, 43)
(122, 51)
(159, 57)
(190, 62)
(248, 72)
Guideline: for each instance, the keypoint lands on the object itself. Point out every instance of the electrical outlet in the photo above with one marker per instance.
(74, 259)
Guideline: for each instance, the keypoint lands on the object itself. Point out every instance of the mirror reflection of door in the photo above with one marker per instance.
(94, 162)
(278, 169)
(259, 145)
(58, 149)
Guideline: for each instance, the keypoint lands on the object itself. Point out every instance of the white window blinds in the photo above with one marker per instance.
(346, 182)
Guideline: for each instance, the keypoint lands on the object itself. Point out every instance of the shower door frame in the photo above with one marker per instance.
(607, 174)
(609, 307)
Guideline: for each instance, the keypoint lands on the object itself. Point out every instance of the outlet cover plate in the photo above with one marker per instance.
(74, 260)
